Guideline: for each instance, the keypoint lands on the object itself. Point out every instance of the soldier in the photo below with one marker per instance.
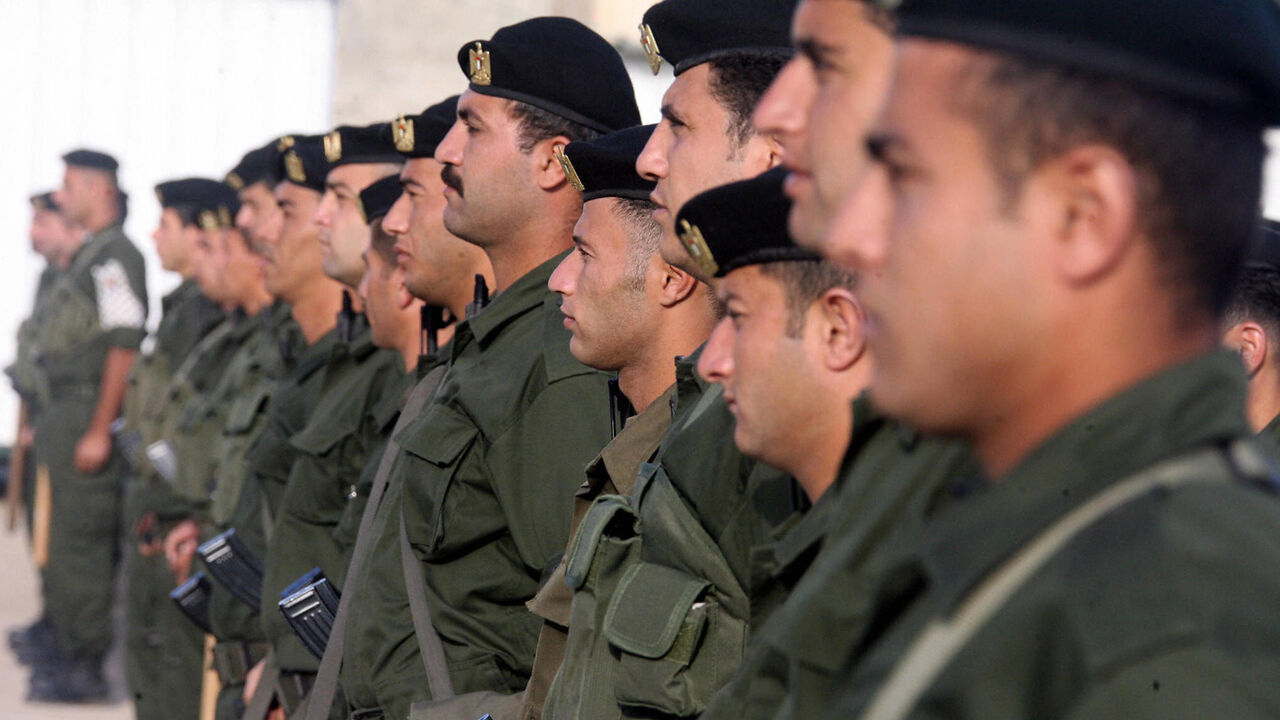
(630, 313)
(162, 650)
(1252, 322)
(331, 448)
(54, 239)
(439, 270)
(89, 333)
(706, 503)
(1101, 182)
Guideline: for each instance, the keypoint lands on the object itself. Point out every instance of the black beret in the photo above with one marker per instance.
(1225, 53)
(687, 33)
(91, 159)
(606, 166)
(742, 223)
(215, 204)
(256, 166)
(300, 160)
(416, 136)
(556, 64)
(45, 201)
(377, 199)
(349, 145)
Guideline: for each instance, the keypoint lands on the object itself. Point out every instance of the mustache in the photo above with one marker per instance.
(450, 177)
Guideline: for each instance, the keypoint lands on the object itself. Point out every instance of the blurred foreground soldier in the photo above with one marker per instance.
(1122, 557)
(631, 313)
(53, 238)
(438, 271)
(162, 650)
(1252, 323)
(705, 502)
(89, 334)
(820, 105)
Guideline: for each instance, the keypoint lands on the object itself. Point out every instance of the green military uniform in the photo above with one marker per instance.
(163, 651)
(812, 583)
(236, 415)
(98, 304)
(613, 472)
(27, 380)
(484, 486)
(1151, 610)
(1269, 436)
(330, 451)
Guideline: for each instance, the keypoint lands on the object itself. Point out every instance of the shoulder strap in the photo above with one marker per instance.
(194, 355)
(429, 644)
(943, 638)
(326, 685)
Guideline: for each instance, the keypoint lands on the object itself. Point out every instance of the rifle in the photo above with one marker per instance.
(234, 567)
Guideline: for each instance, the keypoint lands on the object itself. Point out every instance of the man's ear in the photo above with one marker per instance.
(1087, 199)
(1254, 347)
(838, 318)
(675, 285)
(546, 168)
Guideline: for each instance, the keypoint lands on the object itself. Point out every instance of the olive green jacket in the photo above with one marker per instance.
(813, 583)
(330, 451)
(613, 472)
(490, 469)
(1162, 608)
(23, 372)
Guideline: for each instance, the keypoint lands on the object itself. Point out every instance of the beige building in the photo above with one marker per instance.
(397, 56)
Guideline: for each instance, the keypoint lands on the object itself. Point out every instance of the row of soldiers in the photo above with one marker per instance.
(879, 379)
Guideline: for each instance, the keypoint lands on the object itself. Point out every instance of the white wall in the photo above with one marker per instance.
(172, 88)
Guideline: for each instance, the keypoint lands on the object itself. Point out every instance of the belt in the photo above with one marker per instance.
(233, 660)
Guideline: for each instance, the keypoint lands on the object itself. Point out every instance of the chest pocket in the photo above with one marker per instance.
(72, 318)
(318, 485)
(245, 410)
(435, 448)
(607, 544)
(677, 641)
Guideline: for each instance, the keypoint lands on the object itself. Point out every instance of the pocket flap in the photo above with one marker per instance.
(600, 516)
(438, 435)
(317, 439)
(245, 409)
(649, 609)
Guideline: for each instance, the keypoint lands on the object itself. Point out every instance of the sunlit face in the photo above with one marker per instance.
(820, 107)
(174, 241)
(291, 255)
(768, 376)
(489, 182)
(603, 300)
(209, 260)
(950, 284)
(692, 149)
(259, 212)
(382, 292)
(50, 234)
(344, 234)
(433, 259)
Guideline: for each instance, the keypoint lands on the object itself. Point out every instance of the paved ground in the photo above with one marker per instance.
(18, 606)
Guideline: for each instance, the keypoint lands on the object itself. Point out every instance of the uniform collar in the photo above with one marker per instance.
(620, 460)
(524, 295)
(1191, 405)
(186, 290)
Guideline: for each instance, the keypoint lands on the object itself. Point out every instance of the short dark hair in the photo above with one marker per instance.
(1256, 298)
(738, 81)
(537, 125)
(643, 235)
(804, 282)
(1198, 166)
(383, 244)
